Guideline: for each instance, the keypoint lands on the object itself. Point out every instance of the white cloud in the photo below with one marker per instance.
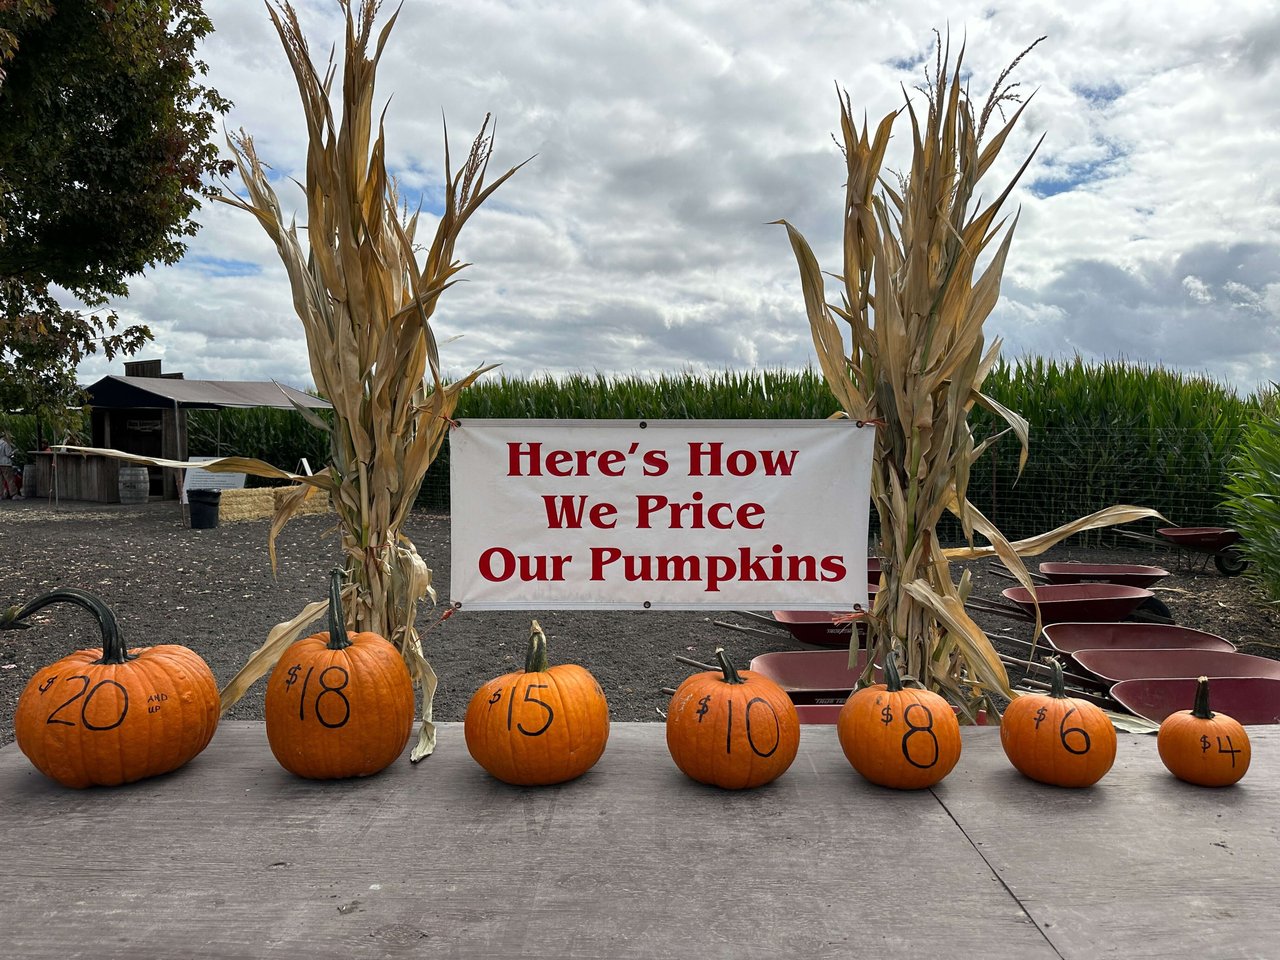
(669, 134)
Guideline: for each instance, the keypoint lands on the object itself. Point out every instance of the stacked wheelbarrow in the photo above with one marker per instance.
(1150, 669)
(1120, 647)
(1116, 640)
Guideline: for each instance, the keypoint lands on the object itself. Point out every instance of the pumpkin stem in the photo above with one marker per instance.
(892, 678)
(1200, 710)
(113, 648)
(535, 661)
(338, 639)
(730, 671)
(1057, 683)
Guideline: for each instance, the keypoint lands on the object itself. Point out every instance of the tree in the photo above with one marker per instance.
(105, 153)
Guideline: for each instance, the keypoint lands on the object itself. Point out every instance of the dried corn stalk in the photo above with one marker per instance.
(365, 301)
(915, 363)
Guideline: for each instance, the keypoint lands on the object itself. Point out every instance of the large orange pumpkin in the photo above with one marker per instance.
(1202, 747)
(541, 725)
(732, 728)
(339, 704)
(1058, 739)
(112, 715)
(898, 736)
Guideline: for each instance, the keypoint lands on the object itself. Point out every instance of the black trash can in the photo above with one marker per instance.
(204, 508)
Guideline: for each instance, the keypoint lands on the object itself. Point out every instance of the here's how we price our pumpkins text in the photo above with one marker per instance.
(671, 515)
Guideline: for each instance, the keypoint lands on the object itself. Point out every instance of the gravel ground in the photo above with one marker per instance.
(213, 590)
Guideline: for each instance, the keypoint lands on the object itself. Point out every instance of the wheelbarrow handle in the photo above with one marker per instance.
(1072, 678)
(740, 628)
(999, 609)
(759, 618)
(1000, 570)
(1097, 699)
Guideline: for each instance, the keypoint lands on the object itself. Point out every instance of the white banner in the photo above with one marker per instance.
(659, 514)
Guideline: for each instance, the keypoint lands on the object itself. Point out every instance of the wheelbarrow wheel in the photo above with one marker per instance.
(1230, 561)
(1152, 610)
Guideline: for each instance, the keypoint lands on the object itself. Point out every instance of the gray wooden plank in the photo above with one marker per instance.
(233, 857)
(1140, 865)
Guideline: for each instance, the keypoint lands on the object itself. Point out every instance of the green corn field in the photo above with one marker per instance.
(1101, 433)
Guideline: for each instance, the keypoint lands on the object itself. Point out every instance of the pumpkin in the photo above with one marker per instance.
(112, 715)
(732, 728)
(896, 736)
(1202, 747)
(541, 725)
(339, 704)
(1057, 739)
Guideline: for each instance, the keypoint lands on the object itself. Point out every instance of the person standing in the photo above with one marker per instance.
(9, 487)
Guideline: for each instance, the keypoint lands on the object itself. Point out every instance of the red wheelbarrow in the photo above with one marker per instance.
(1114, 666)
(813, 628)
(817, 681)
(1068, 638)
(1125, 574)
(1249, 700)
(1072, 641)
(1097, 602)
(1217, 542)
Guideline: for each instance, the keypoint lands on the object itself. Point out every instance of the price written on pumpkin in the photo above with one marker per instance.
(529, 697)
(757, 714)
(918, 719)
(1074, 740)
(1206, 746)
(330, 706)
(65, 714)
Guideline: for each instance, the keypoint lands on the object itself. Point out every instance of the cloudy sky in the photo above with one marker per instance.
(668, 133)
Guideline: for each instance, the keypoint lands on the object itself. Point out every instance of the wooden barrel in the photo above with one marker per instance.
(135, 484)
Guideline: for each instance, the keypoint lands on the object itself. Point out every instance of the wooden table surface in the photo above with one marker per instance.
(233, 857)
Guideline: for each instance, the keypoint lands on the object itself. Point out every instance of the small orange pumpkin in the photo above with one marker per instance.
(541, 725)
(339, 704)
(112, 715)
(897, 736)
(1056, 739)
(733, 729)
(1202, 747)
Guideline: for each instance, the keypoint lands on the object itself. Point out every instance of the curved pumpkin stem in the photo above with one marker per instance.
(892, 678)
(338, 639)
(1057, 683)
(113, 648)
(1200, 709)
(730, 672)
(535, 660)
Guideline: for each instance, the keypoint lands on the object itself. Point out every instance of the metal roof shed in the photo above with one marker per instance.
(165, 393)
(147, 415)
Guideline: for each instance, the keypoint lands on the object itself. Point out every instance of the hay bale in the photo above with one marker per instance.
(315, 504)
(261, 503)
(252, 504)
